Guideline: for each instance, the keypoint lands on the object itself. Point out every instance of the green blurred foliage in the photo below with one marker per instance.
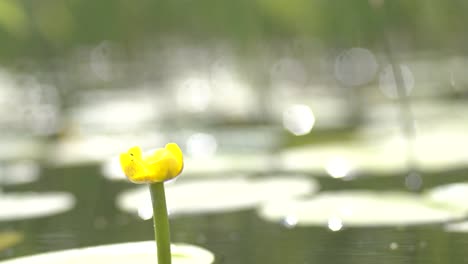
(12, 18)
(45, 28)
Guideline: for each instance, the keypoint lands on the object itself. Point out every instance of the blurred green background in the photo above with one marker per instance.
(52, 28)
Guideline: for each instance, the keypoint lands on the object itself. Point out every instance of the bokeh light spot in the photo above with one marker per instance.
(298, 119)
(338, 167)
(356, 66)
(335, 224)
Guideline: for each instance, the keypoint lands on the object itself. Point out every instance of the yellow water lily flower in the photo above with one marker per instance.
(164, 164)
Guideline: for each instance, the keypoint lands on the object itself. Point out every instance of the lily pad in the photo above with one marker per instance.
(100, 114)
(16, 206)
(217, 195)
(453, 195)
(14, 148)
(436, 147)
(344, 159)
(126, 253)
(258, 162)
(358, 209)
(95, 149)
(426, 112)
(376, 153)
(19, 172)
(458, 227)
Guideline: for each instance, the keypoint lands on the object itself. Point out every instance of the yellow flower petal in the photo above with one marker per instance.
(164, 164)
(179, 157)
(132, 165)
(135, 151)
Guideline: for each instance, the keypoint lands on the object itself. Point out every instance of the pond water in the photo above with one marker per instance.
(234, 236)
(312, 174)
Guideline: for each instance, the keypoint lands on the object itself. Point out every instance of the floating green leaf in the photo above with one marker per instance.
(126, 253)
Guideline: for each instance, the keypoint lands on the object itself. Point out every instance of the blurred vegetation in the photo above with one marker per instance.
(49, 28)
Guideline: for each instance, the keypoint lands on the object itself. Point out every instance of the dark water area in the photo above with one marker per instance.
(234, 237)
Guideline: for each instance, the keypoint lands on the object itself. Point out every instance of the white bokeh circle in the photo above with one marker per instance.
(355, 67)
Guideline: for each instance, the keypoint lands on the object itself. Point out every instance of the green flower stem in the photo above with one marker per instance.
(161, 223)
